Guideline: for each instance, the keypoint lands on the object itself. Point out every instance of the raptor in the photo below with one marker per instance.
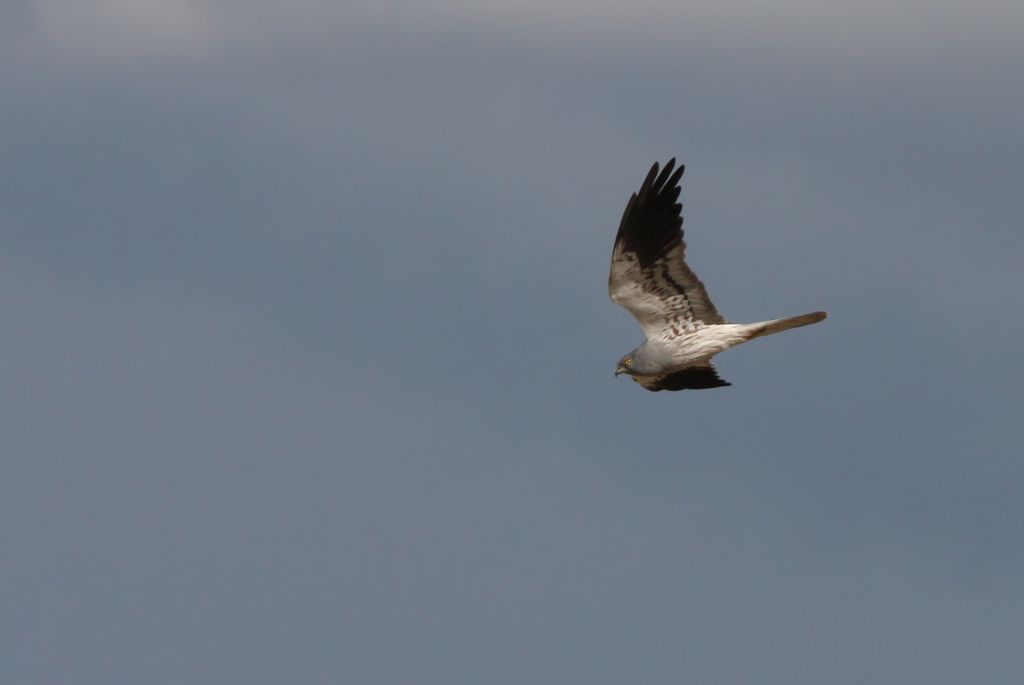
(650, 277)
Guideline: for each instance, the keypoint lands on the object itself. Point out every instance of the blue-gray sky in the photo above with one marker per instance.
(307, 355)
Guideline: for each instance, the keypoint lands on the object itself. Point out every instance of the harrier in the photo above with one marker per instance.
(650, 278)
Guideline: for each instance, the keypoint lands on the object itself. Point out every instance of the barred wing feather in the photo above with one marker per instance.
(649, 274)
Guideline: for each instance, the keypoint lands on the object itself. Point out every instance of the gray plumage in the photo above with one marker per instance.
(650, 277)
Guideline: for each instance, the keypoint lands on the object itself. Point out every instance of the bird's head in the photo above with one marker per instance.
(625, 365)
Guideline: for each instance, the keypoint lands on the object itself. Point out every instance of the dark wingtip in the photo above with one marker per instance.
(652, 220)
(662, 179)
(692, 378)
(673, 180)
(651, 175)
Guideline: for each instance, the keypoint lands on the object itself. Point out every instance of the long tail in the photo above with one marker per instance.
(779, 325)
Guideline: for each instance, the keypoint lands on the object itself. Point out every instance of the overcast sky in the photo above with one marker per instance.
(307, 356)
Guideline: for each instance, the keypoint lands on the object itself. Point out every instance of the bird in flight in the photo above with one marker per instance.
(650, 278)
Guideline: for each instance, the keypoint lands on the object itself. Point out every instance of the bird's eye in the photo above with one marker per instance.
(628, 361)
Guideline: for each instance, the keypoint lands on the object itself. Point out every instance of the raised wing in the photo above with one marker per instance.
(693, 378)
(649, 275)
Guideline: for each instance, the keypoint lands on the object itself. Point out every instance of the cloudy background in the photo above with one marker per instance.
(307, 359)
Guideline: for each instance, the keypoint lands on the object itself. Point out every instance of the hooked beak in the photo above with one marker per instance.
(619, 370)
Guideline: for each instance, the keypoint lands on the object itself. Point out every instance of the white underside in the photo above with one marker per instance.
(698, 346)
